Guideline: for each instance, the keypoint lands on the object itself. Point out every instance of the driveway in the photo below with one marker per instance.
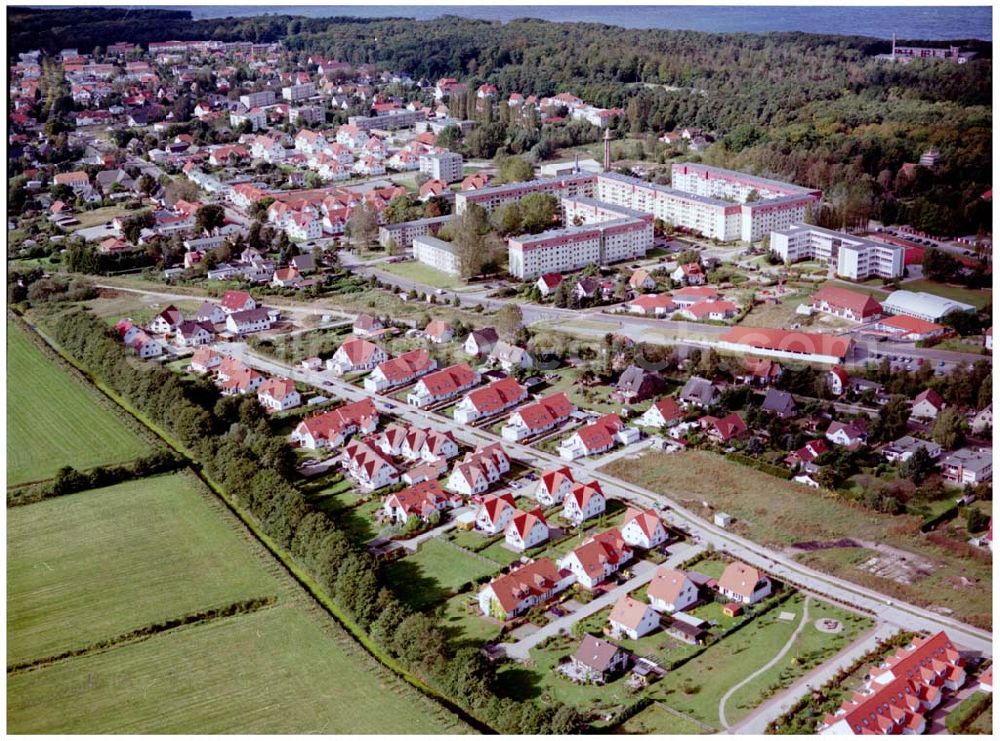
(644, 571)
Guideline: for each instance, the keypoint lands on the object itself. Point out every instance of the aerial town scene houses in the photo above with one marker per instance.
(572, 415)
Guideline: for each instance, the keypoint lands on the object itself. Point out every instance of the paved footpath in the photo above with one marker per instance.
(777, 657)
(521, 649)
(759, 718)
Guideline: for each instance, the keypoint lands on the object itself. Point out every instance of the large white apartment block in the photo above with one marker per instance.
(258, 99)
(572, 248)
(446, 166)
(307, 114)
(404, 232)
(437, 253)
(855, 258)
(389, 121)
(295, 93)
(706, 200)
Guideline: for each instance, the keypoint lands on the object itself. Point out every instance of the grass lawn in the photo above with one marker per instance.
(432, 573)
(275, 671)
(658, 720)
(810, 649)
(983, 725)
(500, 553)
(978, 298)
(779, 513)
(461, 618)
(53, 420)
(99, 216)
(100, 563)
(696, 687)
(420, 273)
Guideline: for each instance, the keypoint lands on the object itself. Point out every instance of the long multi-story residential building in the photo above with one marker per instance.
(568, 186)
(404, 232)
(855, 258)
(703, 199)
(295, 93)
(575, 247)
(437, 253)
(258, 99)
(390, 121)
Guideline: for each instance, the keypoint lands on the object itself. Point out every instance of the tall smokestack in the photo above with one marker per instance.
(607, 149)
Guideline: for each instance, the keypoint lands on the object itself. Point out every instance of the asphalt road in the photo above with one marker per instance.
(900, 614)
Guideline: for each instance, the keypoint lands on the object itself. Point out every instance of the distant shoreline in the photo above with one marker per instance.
(940, 23)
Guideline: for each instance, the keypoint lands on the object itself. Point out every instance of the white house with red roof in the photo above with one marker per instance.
(242, 381)
(691, 295)
(278, 394)
(356, 354)
(400, 371)
(909, 328)
(597, 437)
(745, 584)
(583, 502)
(652, 304)
(632, 618)
(671, 590)
(330, 429)
(489, 400)
(548, 282)
(553, 486)
(664, 412)
(927, 404)
(167, 320)
(534, 583)
(643, 528)
(428, 445)
(233, 301)
(597, 558)
(443, 384)
(495, 513)
(538, 417)
(838, 380)
(479, 470)
(368, 467)
(420, 500)
(846, 304)
(723, 429)
(526, 530)
(689, 274)
(439, 332)
(851, 434)
(709, 310)
(205, 360)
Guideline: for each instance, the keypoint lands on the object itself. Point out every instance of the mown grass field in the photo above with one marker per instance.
(433, 572)
(98, 564)
(779, 513)
(657, 719)
(975, 297)
(53, 421)
(273, 671)
(421, 273)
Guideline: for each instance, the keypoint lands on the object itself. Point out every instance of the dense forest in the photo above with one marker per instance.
(815, 109)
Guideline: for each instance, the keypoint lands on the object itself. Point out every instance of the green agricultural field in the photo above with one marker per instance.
(273, 671)
(98, 564)
(434, 571)
(54, 421)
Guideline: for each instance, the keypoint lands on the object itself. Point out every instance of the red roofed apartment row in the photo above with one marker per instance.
(763, 341)
(845, 303)
(898, 692)
(330, 429)
(491, 399)
(540, 416)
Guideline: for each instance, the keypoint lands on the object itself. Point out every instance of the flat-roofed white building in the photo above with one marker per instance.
(295, 93)
(404, 232)
(572, 248)
(855, 258)
(446, 166)
(257, 99)
(921, 305)
(437, 253)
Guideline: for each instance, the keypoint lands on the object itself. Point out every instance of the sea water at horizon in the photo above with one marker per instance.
(913, 22)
